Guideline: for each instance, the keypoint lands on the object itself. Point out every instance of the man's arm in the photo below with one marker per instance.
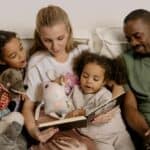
(132, 115)
(115, 88)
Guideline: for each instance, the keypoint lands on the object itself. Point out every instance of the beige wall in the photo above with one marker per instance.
(19, 15)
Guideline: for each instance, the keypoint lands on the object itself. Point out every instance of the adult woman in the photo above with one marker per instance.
(54, 43)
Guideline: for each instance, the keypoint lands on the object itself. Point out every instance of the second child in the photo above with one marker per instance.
(12, 55)
(94, 72)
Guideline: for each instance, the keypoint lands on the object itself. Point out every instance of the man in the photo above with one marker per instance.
(137, 99)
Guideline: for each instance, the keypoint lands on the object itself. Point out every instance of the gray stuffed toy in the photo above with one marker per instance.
(11, 138)
(12, 79)
(11, 123)
(11, 88)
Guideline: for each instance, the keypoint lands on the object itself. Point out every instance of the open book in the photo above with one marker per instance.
(82, 121)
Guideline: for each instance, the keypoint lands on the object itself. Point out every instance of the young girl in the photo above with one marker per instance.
(12, 55)
(53, 41)
(94, 72)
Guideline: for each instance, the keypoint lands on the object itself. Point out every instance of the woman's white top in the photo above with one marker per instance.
(42, 63)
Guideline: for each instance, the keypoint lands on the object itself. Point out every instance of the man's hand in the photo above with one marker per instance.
(104, 118)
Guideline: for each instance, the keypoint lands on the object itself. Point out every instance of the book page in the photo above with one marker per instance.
(73, 122)
(105, 107)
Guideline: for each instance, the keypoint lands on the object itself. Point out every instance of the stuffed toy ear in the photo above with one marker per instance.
(5, 78)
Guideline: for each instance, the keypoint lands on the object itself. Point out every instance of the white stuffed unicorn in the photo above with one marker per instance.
(56, 102)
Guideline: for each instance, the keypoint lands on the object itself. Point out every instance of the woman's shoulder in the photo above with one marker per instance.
(37, 58)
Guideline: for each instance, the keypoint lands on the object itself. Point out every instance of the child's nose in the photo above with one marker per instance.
(89, 80)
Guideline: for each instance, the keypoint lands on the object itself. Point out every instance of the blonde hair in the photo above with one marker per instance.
(50, 16)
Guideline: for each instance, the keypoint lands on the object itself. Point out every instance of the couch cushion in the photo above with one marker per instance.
(112, 40)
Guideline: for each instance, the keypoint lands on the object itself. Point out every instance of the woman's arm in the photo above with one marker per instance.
(132, 115)
(30, 124)
(27, 111)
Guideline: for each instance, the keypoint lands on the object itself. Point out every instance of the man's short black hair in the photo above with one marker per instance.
(138, 14)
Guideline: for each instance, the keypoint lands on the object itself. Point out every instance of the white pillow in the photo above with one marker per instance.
(112, 40)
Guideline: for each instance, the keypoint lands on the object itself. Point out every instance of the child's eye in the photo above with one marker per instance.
(84, 75)
(21, 47)
(96, 78)
(12, 56)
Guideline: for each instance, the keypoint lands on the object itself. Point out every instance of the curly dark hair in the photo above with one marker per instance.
(114, 68)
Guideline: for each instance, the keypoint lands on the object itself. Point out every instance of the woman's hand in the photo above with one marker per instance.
(30, 123)
(75, 113)
(104, 118)
(44, 135)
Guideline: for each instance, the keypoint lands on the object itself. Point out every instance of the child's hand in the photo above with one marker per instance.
(75, 113)
(104, 118)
